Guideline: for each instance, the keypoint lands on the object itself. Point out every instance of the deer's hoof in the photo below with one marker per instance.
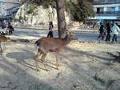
(57, 68)
(34, 58)
(37, 70)
(57, 65)
(41, 61)
(47, 70)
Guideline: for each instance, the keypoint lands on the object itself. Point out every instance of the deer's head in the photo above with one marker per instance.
(4, 38)
(8, 38)
(69, 36)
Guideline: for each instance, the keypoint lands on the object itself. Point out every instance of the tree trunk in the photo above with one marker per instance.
(60, 4)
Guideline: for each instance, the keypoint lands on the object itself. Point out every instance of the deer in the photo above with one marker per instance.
(46, 45)
(3, 39)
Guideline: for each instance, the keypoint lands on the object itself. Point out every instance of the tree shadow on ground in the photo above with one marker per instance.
(106, 55)
(20, 56)
(25, 58)
(116, 57)
(78, 68)
(34, 83)
(13, 77)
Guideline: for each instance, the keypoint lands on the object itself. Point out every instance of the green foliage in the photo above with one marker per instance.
(91, 1)
(44, 3)
(47, 3)
(31, 8)
(20, 18)
(80, 10)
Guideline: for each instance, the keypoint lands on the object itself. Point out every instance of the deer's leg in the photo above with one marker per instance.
(39, 53)
(4, 45)
(36, 60)
(1, 51)
(36, 64)
(43, 59)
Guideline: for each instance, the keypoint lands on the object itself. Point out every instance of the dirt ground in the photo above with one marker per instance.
(82, 66)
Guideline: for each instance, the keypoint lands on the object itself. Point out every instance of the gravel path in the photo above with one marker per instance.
(83, 66)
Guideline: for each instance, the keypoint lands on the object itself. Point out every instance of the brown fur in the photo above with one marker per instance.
(55, 45)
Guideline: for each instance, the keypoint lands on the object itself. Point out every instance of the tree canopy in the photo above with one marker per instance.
(78, 9)
(31, 8)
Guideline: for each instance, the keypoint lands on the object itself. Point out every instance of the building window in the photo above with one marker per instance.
(119, 8)
(111, 9)
(100, 10)
(110, 1)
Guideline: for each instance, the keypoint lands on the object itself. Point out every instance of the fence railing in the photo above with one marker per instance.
(109, 13)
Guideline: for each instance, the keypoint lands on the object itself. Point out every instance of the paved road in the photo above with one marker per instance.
(35, 34)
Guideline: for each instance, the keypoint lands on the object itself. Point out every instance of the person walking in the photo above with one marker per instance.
(3, 25)
(10, 28)
(115, 32)
(108, 31)
(50, 33)
(101, 32)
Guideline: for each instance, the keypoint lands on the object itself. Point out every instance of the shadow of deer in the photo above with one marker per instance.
(54, 45)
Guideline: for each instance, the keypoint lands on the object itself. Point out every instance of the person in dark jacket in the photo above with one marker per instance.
(108, 31)
(101, 32)
(10, 28)
(50, 33)
(3, 25)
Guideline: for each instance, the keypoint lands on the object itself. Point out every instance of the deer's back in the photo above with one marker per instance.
(51, 44)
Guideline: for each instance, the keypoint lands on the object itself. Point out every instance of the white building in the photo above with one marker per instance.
(107, 9)
(1, 9)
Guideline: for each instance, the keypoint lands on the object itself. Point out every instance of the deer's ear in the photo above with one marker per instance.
(68, 32)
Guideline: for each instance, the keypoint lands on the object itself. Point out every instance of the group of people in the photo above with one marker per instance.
(108, 32)
(8, 29)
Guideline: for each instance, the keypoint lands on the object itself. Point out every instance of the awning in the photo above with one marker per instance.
(105, 17)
